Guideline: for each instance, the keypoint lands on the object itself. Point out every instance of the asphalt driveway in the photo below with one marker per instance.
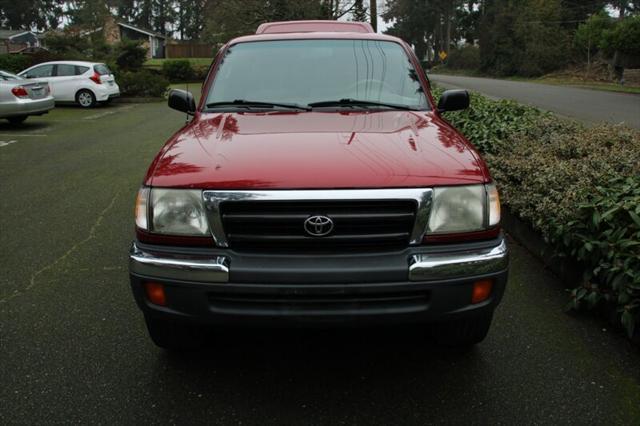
(74, 348)
(585, 105)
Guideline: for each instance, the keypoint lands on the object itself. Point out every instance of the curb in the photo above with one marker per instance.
(569, 271)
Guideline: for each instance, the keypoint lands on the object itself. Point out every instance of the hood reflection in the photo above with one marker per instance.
(319, 150)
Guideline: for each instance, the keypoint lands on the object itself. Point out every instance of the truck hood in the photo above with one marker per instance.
(306, 150)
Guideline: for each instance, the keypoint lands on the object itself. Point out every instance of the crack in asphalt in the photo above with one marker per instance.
(72, 249)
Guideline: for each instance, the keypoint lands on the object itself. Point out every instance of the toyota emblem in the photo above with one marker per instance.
(318, 226)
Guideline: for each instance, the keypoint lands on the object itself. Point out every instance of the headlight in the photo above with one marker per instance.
(458, 209)
(173, 211)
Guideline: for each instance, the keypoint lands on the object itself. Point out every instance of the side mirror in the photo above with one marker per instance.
(453, 100)
(182, 100)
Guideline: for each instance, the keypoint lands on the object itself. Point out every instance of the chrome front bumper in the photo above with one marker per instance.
(215, 270)
(438, 266)
(422, 266)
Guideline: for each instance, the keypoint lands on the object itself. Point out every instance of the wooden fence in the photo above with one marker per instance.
(190, 50)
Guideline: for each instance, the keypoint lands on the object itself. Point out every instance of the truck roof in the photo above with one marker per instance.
(292, 30)
(316, 36)
(314, 26)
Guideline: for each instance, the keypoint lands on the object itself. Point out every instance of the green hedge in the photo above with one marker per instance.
(142, 84)
(184, 70)
(14, 63)
(178, 70)
(579, 187)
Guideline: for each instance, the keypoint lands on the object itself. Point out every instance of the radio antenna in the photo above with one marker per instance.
(187, 113)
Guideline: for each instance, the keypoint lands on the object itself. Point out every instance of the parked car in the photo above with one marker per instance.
(20, 98)
(85, 83)
(317, 182)
(7, 76)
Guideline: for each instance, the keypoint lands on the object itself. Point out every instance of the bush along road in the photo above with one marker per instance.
(578, 186)
(585, 105)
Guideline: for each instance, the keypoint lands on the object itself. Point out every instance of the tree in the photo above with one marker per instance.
(359, 12)
(589, 35)
(191, 20)
(623, 43)
(226, 19)
(86, 13)
(31, 14)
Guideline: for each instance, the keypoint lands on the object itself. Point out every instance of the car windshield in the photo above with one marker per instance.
(6, 76)
(329, 73)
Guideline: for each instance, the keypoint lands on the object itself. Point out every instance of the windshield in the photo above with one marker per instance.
(8, 76)
(303, 72)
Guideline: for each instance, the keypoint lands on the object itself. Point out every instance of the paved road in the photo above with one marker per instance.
(583, 104)
(74, 348)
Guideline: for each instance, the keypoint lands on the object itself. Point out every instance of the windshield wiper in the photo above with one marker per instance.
(243, 103)
(356, 102)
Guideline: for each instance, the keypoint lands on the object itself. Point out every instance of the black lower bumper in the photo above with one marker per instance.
(420, 284)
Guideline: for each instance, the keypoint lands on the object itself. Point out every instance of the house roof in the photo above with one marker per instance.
(140, 30)
(7, 34)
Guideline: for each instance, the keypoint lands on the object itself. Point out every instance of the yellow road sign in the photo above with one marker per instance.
(443, 55)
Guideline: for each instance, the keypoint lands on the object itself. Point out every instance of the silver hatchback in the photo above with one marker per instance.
(20, 98)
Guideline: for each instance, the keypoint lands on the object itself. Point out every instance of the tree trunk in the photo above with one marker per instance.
(373, 11)
(447, 37)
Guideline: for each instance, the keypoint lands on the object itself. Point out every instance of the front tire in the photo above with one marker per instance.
(174, 336)
(464, 333)
(86, 98)
(17, 120)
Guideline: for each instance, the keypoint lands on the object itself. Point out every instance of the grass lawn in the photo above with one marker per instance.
(157, 63)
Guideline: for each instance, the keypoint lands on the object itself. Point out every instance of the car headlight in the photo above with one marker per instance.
(171, 211)
(458, 209)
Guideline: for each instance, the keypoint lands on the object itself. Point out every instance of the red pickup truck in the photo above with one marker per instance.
(318, 184)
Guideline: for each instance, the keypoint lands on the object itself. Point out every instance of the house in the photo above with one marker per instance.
(114, 31)
(13, 41)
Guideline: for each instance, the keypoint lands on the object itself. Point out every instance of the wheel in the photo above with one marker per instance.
(17, 120)
(463, 333)
(86, 98)
(175, 336)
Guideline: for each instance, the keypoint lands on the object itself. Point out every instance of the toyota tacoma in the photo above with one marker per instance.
(317, 183)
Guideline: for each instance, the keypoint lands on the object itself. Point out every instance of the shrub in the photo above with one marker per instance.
(624, 37)
(129, 55)
(466, 58)
(200, 72)
(14, 63)
(606, 237)
(178, 70)
(142, 84)
(488, 123)
(578, 186)
(589, 34)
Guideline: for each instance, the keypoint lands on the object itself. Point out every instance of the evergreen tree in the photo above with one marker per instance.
(359, 12)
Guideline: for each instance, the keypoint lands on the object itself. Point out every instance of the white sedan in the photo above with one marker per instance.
(85, 83)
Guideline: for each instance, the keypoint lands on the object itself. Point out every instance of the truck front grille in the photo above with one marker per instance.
(267, 226)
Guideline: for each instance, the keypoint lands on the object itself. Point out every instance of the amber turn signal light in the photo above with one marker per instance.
(155, 293)
(481, 291)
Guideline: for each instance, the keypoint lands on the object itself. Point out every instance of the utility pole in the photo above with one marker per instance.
(373, 11)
